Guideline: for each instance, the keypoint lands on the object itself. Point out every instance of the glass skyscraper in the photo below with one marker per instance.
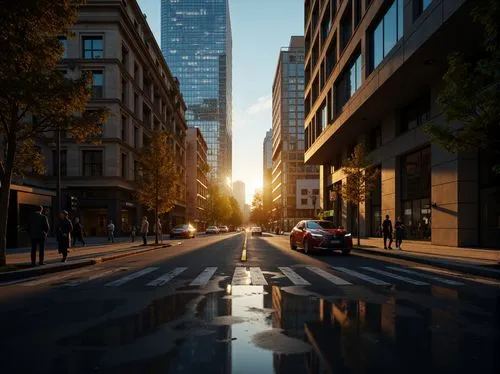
(197, 44)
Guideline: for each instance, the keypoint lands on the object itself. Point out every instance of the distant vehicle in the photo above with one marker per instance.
(223, 229)
(183, 231)
(212, 230)
(315, 235)
(256, 231)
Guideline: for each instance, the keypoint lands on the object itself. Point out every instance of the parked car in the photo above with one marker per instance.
(212, 230)
(223, 229)
(183, 231)
(315, 235)
(256, 231)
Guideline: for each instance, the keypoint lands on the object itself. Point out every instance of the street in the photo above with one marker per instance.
(196, 307)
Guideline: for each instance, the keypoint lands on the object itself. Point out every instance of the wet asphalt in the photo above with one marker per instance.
(196, 308)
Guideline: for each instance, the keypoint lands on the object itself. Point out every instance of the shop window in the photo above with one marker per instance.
(416, 113)
(419, 6)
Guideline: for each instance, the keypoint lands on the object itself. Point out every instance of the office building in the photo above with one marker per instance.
(196, 178)
(288, 142)
(373, 71)
(197, 44)
(239, 193)
(267, 166)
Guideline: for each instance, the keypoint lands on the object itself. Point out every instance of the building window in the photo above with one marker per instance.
(387, 33)
(64, 43)
(303, 201)
(136, 137)
(375, 138)
(331, 57)
(64, 162)
(92, 163)
(97, 84)
(324, 118)
(345, 29)
(304, 191)
(124, 129)
(416, 113)
(136, 104)
(93, 47)
(357, 12)
(124, 91)
(124, 165)
(419, 6)
(348, 83)
(315, 192)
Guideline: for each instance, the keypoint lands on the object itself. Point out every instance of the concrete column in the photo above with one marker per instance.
(389, 176)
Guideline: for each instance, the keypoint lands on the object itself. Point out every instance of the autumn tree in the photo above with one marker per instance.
(157, 176)
(471, 93)
(218, 205)
(236, 218)
(257, 213)
(36, 100)
(360, 180)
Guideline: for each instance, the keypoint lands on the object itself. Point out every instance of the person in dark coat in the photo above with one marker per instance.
(64, 230)
(78, 232)
(399, 228)
(38, 229)
(387, 231)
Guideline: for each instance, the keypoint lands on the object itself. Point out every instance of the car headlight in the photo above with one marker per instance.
(317, 235)
(347, 235)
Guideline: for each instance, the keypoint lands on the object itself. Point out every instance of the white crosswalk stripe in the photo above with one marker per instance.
(203, 278)
(330, 277)
(257, 277)
(165, 278)
(294, 277)
(54, 278)
(364, 277)
(103, 274)
(130, 277)
(395, 276)
(427, 276)
(241, 277)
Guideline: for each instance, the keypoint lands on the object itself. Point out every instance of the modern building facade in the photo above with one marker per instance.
(196, 178)
(373, 71)
(239, 193)
(197, 44)
(131, 78)
(288, 137)
(267, 166)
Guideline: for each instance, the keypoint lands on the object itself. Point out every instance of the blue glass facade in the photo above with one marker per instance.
(196, 42)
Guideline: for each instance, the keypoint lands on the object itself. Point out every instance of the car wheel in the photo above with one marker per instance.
(346, 251)
(307, 246)
(293, 245)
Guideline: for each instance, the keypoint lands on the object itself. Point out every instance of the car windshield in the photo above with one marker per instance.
(181, 227)
(320, 225)
(212, 227)
(255, 228)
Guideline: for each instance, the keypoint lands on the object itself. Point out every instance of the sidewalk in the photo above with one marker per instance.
(484, 262)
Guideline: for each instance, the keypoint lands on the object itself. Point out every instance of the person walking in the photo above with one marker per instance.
(78, 232)
(64, 230)
(111, 231)
(399, 228)
(38, 229)
(158, 229)
(145, 229)
(387, 231)
(132, 233)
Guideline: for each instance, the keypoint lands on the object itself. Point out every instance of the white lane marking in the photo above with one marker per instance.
(241, 277)
(54, 278)
(364, 277)
(130, 277)
(427, 276)
(165, 278)
(257, 277)
(77, 282)
(203, 278)
(399, 277)
(330, 277)
(294, 277)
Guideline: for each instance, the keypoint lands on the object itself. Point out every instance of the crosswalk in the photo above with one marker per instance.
(297, 275)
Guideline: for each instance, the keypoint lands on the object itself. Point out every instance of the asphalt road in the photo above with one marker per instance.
(196, 308)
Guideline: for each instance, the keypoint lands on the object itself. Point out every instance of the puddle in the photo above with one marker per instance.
(268, 329)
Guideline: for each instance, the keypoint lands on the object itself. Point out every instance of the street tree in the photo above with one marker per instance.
(157, 176)
(360, 180)
(218, 205)
(36, 100)
(236, 218)
(471, 92)
(257, 213)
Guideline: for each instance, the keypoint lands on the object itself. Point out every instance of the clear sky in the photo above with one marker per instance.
(260, 28)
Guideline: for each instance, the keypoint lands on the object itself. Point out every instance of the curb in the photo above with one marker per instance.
(444, 264)
(30, 272)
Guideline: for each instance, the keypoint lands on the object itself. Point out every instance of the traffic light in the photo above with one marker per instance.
(72, 203)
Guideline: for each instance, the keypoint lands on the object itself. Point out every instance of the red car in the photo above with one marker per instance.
(320, 236)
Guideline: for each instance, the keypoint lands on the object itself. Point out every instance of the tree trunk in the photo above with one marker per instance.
(6, 181)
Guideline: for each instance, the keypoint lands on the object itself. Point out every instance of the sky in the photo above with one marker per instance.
(260, 28)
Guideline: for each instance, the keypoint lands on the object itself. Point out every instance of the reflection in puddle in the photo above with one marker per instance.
(264, 329)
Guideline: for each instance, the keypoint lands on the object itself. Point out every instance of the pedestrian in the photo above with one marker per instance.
(78, 232)
(111, 231)
(158, 230)
(399, 228)
(64, 230)
(132, 233)
(387, 231)
(38, 229)
(145, 229)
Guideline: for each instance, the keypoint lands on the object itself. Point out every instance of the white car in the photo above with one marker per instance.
(212, 230)
(256, 231)
(223, 229)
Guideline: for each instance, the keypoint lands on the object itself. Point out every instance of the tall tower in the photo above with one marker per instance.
(197, 44)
